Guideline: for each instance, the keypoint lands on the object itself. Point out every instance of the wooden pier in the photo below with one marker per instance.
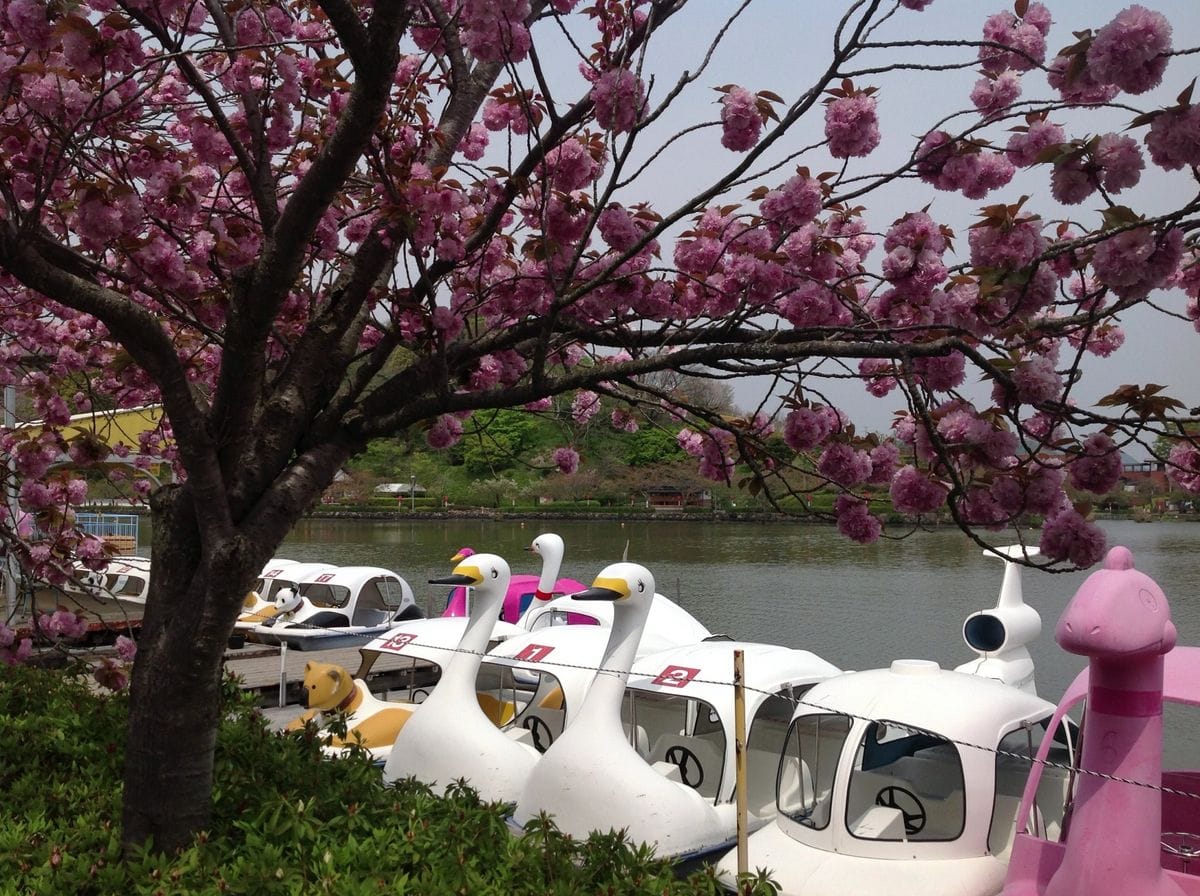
(267, 670)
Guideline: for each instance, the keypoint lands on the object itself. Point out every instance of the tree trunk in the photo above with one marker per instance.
(175, 689)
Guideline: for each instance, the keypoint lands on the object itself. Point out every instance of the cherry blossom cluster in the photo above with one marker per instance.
(161, 180)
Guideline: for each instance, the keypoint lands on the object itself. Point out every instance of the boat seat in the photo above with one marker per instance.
(638, 739)
(795, 784)
(370, 616)
(703, 774)
(500, 712)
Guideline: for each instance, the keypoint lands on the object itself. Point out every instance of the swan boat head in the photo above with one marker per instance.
(449, 737)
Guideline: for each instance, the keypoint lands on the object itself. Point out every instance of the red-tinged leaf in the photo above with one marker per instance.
(1122, 395)
(1185, 98)
(1020, 8)
(770, 95)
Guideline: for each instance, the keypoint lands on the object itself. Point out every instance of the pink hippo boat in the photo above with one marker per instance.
(1131, 828)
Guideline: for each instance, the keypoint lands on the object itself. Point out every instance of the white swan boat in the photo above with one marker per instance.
(449, 736)
(672, 782)
(907, 780)
(346, 606)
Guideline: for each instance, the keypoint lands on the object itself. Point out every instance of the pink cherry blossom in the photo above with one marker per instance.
(851, 125)
(570, 166)
(855, 520)
(913, 492)
(619, 98)
(623, 421)
(1174, 138)
(446, 431)
(916, 5)
(1131, 50)
(806, 428)
(1098, 469)
(1036, 380)
(494, 30)
(845, 465)
(1068, 536)
(794, 204)
(1120, 162)
(993, 94)
(126, 648)
(741, 122)
(1183, 466)
(584, 406)
(1026, 37)
(567, 460)
(1024, 147)
(1013, 245)
(1134, 262)
(885, 458)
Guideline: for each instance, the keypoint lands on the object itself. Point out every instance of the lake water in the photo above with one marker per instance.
(795, 584)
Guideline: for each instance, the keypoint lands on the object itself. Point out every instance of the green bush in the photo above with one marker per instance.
(285, 819)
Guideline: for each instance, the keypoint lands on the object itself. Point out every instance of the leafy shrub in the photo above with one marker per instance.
(285, 819)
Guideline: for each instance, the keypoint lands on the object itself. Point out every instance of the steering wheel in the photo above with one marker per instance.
(1184, 844)
(540, 731)
(910, 807)
(686, 761)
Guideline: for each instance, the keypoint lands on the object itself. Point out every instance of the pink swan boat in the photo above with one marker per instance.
(523, 589)
(1130, 826)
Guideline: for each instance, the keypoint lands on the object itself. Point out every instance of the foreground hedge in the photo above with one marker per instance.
(285, 820)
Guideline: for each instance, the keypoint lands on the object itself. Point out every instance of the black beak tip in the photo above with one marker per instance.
(453, 580)
(596, 594)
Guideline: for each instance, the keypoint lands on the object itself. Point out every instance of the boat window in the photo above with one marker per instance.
(561, 617)
(764, 744)
(391, 593)
(125, 584)
(268, 588)
(539, 703)
(807, 768)
(1014, 759)
(325, 594)
(905, 785)
(679, 731)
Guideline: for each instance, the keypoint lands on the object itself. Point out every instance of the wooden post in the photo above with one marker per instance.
(283, 673)
(739, 745)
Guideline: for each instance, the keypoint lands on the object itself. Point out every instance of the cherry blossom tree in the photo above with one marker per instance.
(301, 225)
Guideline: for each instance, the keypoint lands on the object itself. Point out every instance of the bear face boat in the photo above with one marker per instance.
(342, 607)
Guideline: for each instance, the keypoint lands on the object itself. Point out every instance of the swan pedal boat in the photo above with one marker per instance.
(343, 607)
(672, 782)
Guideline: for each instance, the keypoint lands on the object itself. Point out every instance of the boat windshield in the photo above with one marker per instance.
(905, 785)
(562, 617)
(522, 699)
(807, 767)
(682, 731)
(267, 588)
(1014, 759)
(325, 594)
